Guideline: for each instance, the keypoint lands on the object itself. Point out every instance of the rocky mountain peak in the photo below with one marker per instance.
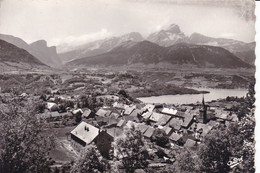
(173, 28)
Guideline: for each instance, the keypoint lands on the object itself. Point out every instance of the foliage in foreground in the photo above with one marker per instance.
(91, 161)
(132, 151)
(24, 146)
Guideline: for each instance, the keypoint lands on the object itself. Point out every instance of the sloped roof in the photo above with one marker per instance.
(206, 128)
(129, 110)
(190, 143)
(149, 132)
(175, 123)
(222, 115)
(112, 121)
(175, 136)
(50, 105)
(85, 132)
(187, 120)
(164, 120)
(169, 111)
(77, 111)
(180, 114)
(141, 127)
(149, 107)
(156, 116)
(121, 123)
(115, 132)
(147, 115)
(136, 112)
(167, 130)
(114, 115)
(101, 112)
(86, 113)
(212, 123)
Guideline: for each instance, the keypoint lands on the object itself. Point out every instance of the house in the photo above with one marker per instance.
(147, 115)
(101, 121)
(88, 114)
(52, 106)
(205, 128)
(103, 141)
(149, 107)
(112, 122)
(168, 130)
(169, 111)
(129, 110)
(176, 138)
(155, 116)
(114, 132)
(163, 120)
(141, 127)
(175, 123)
(213, 123)
(77, 112)
(188, 120)
(149, 132)
(101, 112)
(85, 134)
(121, 123)
(190, 143)
(136, 112)
(180, 114)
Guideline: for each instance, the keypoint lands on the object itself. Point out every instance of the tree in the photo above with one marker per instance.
(91, 161)
(160, 137)
(24, 146)
(131, 148)
(215, 152)
(187, 161)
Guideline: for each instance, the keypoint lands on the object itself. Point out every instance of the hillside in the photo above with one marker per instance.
(12, 57)
(38, 49)
(146, 52)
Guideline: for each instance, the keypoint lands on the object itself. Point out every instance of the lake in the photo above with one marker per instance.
(193, 98)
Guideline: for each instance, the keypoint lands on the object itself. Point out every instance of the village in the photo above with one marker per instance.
(82, 110)
(180, 126)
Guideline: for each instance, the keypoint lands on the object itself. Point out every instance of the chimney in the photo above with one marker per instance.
(86, 128)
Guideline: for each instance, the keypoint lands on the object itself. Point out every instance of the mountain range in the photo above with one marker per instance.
(14, 58)
(167, 46)
(146, 52)
(38, 49)
(166, 37)
(99, 46)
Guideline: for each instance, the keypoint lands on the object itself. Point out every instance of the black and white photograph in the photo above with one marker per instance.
(128, 86)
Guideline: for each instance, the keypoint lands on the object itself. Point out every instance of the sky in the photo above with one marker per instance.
(75, 22)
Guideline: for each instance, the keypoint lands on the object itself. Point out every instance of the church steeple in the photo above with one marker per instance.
(203, 102)
(204, 110)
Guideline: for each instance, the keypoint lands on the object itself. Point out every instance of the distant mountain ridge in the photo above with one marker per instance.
(13, 57)
(146, 53)
(245, 51)
(38, 49)
(100, 46)
(165, 37)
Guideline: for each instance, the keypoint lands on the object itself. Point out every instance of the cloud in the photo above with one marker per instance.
(74, 41)
(227, 35)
